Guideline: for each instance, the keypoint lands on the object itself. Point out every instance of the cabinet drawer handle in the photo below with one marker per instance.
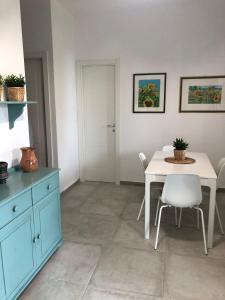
(49, 186)
(14, 208)
(39, 236)
(34, 240)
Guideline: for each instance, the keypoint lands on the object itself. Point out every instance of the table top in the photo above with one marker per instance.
(202, 166)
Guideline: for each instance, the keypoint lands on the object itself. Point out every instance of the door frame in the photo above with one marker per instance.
(50, 116)
(81, 115)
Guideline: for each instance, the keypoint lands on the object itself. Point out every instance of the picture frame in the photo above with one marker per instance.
(202, 94)
(149, 92)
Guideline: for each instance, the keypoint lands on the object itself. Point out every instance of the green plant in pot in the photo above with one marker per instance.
(179, 149)
(15, 87)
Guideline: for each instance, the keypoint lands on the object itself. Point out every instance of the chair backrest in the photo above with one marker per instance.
(221, 174)
(167, 148)
(182, 190)
(143, 159)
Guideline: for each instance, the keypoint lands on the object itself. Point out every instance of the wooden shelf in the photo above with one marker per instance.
(15, 109)
(17, 103)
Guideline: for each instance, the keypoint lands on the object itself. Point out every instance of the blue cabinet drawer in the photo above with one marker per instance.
(15, 207)
(44, 188)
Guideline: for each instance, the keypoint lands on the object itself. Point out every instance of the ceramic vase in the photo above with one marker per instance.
(29, 162)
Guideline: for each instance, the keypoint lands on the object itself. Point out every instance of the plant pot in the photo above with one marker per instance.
(15, 94)
(179, 154)
(1, 93)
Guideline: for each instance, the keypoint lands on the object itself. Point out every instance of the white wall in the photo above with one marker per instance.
(48, 27)
(37, 39)
(181, 38)
(65, 92)
(11, 61)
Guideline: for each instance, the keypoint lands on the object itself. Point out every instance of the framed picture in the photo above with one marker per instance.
(149, 93)
(202, 94)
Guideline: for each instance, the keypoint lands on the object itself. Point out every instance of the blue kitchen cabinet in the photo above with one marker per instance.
(30, 227)
(18, 251)
(2, 286)
(47, 225)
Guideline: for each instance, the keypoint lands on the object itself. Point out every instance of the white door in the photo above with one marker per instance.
(36, 112)
(99, 122)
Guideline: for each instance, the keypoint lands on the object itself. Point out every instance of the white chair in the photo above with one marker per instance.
(182, 191)
(144, 163)
(220, 183)
(167, 149)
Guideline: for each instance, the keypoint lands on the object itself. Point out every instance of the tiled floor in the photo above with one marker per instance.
(105, 257)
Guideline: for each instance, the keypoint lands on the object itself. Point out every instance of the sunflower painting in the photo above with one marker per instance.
(202, 94)
(209, 94)
(149, 92)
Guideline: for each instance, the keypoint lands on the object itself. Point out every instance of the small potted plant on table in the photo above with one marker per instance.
(15, 87)
(179, 149)
(1, 88)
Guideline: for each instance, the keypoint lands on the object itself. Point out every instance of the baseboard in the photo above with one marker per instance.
(154, 185)
(70, 187)
(132, 183)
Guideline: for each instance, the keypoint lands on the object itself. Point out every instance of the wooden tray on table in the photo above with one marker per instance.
(172, 160)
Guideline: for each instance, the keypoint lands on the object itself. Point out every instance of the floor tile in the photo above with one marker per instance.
(131, 234)
(103, 206)
(81, 189)
(72, 202)
(53, 290)
(189, 241)
(99, 294)
(105, 255)
(73, 263)
(195, 278)
(89, 228)
(130, 270)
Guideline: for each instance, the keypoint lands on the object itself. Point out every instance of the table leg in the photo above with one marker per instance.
(212, 202)
(147, 206)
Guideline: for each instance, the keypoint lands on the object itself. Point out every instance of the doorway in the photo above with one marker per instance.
(98, 126)
(37, 113)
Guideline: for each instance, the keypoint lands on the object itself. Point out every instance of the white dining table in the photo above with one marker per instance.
(157, 171)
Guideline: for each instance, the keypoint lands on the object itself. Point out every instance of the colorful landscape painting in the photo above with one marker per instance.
(149, 93)
(209, 94)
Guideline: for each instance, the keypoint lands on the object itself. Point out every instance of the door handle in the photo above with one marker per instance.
(111, 125)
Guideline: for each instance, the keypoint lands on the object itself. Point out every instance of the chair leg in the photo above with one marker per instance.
(219, 219)
(203, 229)
(157, 212)
(179, 221)
(198, 227)
(159, 221)
(175, 211)
(140, 211)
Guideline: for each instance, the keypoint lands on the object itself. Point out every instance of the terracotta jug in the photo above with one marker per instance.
(29, 160)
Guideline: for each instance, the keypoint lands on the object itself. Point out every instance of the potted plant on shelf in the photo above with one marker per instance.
(1, 88)
(179, 149)
(15, 87)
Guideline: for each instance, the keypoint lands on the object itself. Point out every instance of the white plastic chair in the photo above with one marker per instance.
(144, 163)
(220, 183)
(182, 191)
(167, 149)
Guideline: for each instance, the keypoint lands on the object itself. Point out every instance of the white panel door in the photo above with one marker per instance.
(36, 112)
(99, 123)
